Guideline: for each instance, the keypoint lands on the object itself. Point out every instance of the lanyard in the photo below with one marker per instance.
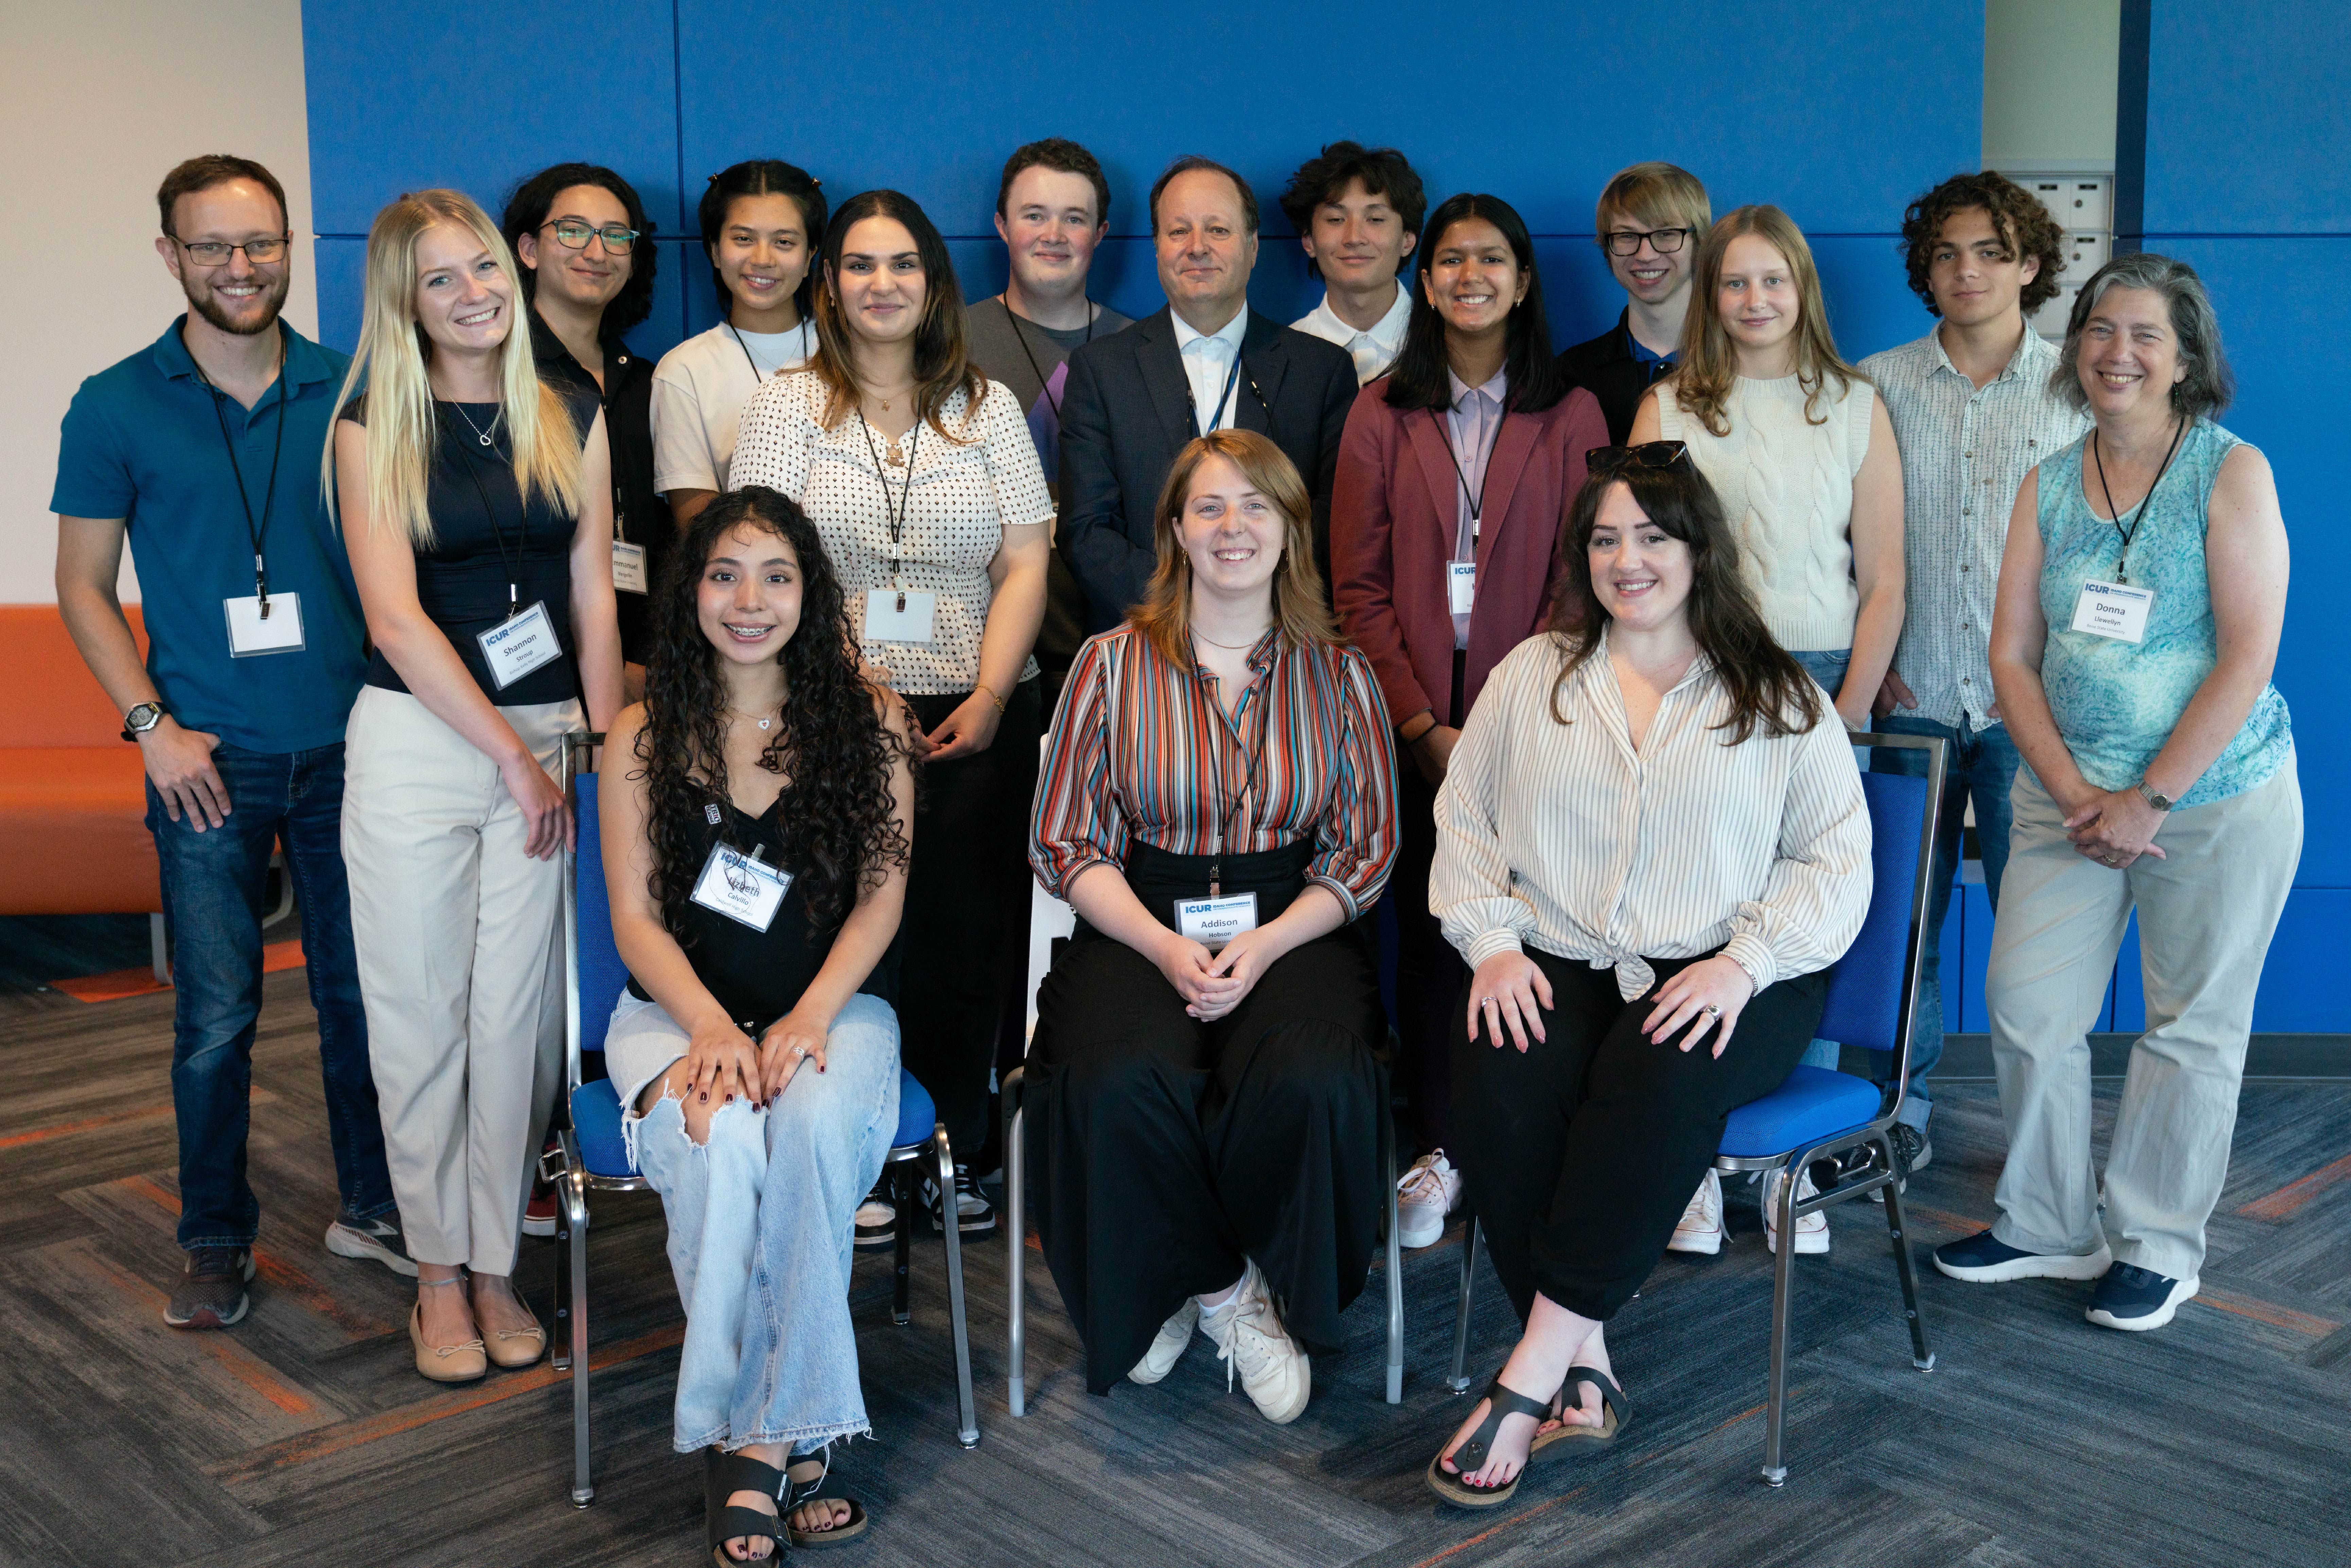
(756, 373)
(1477, 501)
(897, 514)
(497, 529)
(1224, 814)
(2122, 568)
(1232, 378)
(1034, 368)
(254, 532)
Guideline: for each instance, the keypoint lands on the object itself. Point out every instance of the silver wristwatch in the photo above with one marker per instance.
(2159, 802)
(141, 719)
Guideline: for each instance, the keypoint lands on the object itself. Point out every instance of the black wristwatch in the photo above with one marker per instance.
(2160, 802)
(141, 719)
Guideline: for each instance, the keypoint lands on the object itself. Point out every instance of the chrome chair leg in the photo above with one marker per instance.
(1394, 1263)
(904, 1190)
(1783, 1278)
(1898, 1224)
(967, 1432)
(1459, 1380)
(1016, 1255)
(572, 1200)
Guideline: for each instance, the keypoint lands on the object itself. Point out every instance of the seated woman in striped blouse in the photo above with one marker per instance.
(1218, 802)
(1650, 847)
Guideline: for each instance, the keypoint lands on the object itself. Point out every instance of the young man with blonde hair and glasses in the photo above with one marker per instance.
(1648, 224)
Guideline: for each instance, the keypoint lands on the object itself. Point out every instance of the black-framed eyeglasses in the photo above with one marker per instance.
(574, 234)
(1627, 241)
(266, 251)
(1648, 455)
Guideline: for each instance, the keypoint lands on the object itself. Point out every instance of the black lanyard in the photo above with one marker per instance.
(1232, 379)
(2114, 513)
(254, 532)
(1224, 814)
(756, 373)
(497, 529)
(1477, 501)
(897, 514)
(1034, 368)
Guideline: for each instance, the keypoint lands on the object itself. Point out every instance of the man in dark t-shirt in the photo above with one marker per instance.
(1053, 208)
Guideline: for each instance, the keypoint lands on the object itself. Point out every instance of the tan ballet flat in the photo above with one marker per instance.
(511, 1348)
(446, 1362)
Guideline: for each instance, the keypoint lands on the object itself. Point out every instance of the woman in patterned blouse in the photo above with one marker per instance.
(1218, 802)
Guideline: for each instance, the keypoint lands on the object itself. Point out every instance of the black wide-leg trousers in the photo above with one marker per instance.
(1579, 1154)
(1163, 1152)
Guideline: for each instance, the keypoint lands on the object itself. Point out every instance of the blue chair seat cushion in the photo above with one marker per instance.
(1814, 1104)
(596, 1119)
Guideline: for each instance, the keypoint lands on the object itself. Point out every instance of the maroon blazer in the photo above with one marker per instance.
(1393, 512)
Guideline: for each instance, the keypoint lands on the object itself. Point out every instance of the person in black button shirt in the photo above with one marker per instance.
(477, 506)
(587, 263)
(1650, 220)
(756, 819)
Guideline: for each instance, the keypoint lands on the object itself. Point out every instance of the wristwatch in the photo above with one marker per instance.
(2160, 802)
(141, 719)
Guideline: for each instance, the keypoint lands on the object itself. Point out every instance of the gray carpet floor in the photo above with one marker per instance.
(304, 1436)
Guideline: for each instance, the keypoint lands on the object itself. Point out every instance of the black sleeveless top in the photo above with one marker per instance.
(759, 976)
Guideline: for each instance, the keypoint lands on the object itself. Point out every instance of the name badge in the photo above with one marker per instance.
(250, 632)
(628, 567)
(1213, 922)
(748, 891)
(1460, 585)
(2113, 610)
(885, 623)
(519, 645)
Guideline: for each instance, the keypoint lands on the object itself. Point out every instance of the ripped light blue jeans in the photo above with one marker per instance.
(761, 1221)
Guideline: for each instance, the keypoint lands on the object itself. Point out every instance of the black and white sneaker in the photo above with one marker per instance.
(1913, 1151)
(974, 1213)
(2132, 1298)
(379, 1239)
(877, 1216)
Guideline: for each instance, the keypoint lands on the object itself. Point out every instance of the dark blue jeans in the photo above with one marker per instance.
(214, 884)
(1980, 767)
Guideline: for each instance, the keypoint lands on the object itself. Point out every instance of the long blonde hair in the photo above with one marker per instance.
(401, 423)
(1709, 359)
(1164, 615)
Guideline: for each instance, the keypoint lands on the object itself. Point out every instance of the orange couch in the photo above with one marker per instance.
(73, 804)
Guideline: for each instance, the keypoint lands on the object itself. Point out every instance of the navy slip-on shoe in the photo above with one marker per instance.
(1982, 1261)
(2132, 1299)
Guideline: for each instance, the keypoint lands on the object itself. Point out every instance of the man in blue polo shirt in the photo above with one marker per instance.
(203, 450)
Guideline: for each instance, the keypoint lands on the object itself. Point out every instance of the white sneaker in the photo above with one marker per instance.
(1811, 1230)
(1250, 1340)
(1426, 1198)
(1700, 1227)
(1166, 1350)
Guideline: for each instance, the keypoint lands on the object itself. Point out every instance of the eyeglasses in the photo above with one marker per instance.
(574, 234)
(1627, 241)
(260, 252)
(1648, 455)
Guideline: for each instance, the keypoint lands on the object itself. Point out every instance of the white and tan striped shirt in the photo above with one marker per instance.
(1563, 837)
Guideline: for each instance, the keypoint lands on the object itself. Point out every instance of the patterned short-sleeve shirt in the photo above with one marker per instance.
(958, 497)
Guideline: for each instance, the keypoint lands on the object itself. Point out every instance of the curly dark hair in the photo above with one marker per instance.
(526, 211)
(1768, 691)
(831, 739)
(2016, 215)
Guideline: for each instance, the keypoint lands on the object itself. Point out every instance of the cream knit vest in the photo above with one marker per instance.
(1787, 487)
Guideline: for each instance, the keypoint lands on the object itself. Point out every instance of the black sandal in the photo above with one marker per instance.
(1616, 1411)
(1454, 1486)
(807, 1475)
(725, 1476)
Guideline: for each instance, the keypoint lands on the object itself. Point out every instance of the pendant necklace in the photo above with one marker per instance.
(484, 436)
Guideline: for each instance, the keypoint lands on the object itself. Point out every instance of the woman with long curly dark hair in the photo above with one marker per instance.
(754, 833)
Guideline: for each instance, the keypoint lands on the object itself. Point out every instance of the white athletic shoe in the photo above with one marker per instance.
(1166, 1351)
(1700, 1227)
(1811, 1230)
(1426, 1197)
(1250, 1341)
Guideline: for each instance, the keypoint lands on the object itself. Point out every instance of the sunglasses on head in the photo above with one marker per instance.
(1647, 454)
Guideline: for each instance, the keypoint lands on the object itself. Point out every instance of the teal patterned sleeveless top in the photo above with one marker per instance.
(2117, 703)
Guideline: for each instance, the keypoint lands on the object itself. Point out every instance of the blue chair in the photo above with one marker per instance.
(591, 1157)
(1818, 1114)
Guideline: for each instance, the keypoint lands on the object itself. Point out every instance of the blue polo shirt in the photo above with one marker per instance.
(141, 442)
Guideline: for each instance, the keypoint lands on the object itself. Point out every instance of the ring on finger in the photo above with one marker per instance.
(1711, 1011)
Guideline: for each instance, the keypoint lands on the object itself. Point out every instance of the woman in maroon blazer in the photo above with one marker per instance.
(1455, 475)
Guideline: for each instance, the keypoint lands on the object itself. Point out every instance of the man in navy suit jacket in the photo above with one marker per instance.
(1206, 362)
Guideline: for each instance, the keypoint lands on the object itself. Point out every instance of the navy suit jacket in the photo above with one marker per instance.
(1126, 412)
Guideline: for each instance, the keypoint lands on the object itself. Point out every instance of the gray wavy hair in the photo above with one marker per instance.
(2209, 385)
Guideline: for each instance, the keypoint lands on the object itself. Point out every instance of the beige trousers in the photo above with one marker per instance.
(2205, 918)
(459, 936)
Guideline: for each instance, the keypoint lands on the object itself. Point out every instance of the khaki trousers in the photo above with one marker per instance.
(459, 937)
(2205, 918)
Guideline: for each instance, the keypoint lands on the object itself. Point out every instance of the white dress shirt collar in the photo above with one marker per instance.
(1208, 361)
(1373, 351)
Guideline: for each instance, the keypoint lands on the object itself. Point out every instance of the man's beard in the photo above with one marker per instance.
(272, 298)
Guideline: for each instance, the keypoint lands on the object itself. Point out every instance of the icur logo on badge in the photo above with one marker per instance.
(1460, 586)
(519, 645)
(1213, 922)
(748, 891)
(628, 567)
(2113, 610)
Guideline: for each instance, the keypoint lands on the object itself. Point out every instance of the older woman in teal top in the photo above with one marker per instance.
(2140, 602)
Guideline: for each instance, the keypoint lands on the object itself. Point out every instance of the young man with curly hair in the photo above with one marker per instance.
(1357, 211)
(1973, 411)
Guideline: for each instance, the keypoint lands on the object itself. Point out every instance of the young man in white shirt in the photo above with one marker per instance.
(1357, 211)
